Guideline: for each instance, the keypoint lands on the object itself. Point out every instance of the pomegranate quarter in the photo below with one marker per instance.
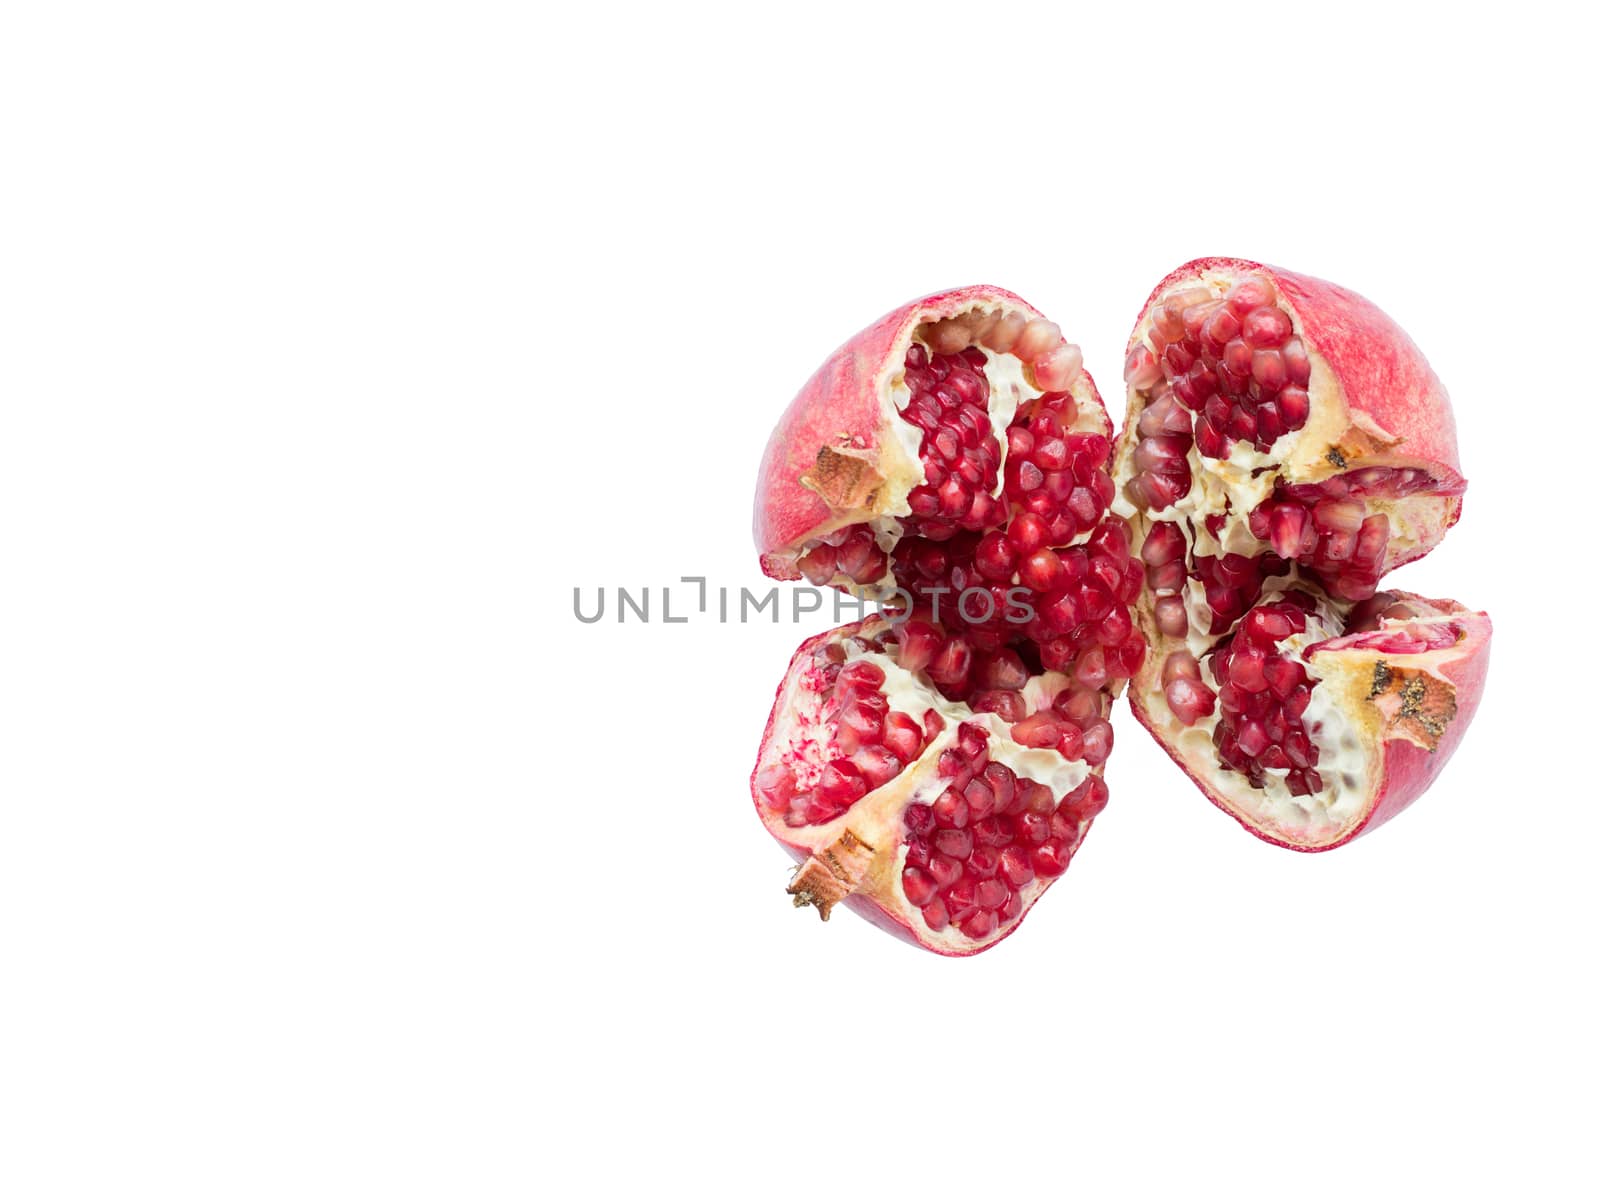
(1286, 446)
(938, 770)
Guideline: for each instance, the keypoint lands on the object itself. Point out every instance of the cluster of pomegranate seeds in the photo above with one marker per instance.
(852, 551)
(986, 837)
(1074, 725)
(872, 744)
(1057, 487)
(1053, 475)
(1263, 696)
(1166, 575)
(1234, 362)
(960, 456)
(937, 573)
(1081, 597)
(1333, 537)
(1232, 583)
(1161, 458)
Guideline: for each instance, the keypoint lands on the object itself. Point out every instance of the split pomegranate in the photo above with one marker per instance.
(1286, 446)
(937, 769)
(938, 822)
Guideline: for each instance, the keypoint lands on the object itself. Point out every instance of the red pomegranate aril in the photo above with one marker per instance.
(1027, 533)
(983, 862)
(991, 893)
(951, 664)
(919, 643)
(1032, 828)
(1189, 700)
(961, 898)
(995, 557)
(902, 736)
(877, 765)
(980, 799)
(1172, 619)
(1002, 783)
(1091, 671)
(956, 843)
(1007, 705)
(935, 914)
(944, 869)
(1041, 730)
(919, 887)
(1087, 800)
(841, 783)
(950, 811)
(995, 830)
(1042, 571)
(1015, 867)
(1141, 370)
(1050, 859)
(979, 924)
(1295, 406)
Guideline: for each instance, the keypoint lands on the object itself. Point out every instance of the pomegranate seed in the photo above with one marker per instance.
(918, 886)
(919, 643)
(935, 914)
(1042, 571)
(1041, 730)
(991, 893)
(983, 862)
(877, 765)
(1097, 740)
(1088, 799)
(1015, 866)
(841, 783)
(980, 800)
(994, 831)
(1027, 533)
(956, 843)
(1266, 327)
(1032, 828)
(980, 924)
(1188, 700)
(950, 812)
(902, 736)
(1050, 859)
(1002, 782)
(961, 898)
(944, 869)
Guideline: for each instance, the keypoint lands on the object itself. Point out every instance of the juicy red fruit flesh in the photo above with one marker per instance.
(1234, 363)
(972, 852)
(1263, 697)
(872, 744)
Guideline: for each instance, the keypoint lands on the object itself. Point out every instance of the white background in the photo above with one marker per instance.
(336, 858)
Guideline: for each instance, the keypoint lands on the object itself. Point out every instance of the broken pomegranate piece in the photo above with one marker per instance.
(938, 822)
(955, 459)
(1286, 447)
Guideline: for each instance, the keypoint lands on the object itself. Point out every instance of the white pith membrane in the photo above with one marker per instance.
(1344, 723)
(1015, 372)
(868, 840)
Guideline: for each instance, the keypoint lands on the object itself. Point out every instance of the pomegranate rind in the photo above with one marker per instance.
(1400, 769)
(832, 460)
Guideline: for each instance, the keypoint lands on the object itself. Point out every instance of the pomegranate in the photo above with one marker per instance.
(939, 823)
(937, 769)
(1286, 446)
